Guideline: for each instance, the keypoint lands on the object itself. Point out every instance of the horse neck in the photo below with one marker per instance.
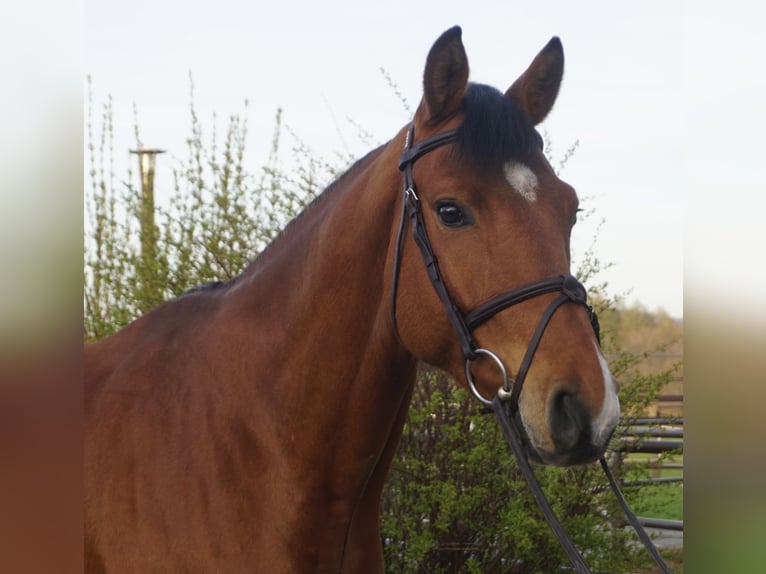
(319, 304)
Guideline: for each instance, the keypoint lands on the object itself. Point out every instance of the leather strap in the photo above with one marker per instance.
(512, 438)
(419, 234)
(647, 542)
(415, 150)
(411, 210)
(563, 283)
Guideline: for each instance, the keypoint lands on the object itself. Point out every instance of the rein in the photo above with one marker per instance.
(505, 403)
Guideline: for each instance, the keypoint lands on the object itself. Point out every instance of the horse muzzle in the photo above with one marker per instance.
(574, 436)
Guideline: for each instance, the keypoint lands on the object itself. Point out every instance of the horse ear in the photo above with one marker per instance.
(536, 89)
(446, 76)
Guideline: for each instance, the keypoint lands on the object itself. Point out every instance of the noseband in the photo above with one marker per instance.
(506, 403)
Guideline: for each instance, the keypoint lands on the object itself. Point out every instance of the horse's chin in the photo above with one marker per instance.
(555, 459)
(579, 456)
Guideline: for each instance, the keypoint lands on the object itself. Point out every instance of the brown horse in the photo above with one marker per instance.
(250, 427)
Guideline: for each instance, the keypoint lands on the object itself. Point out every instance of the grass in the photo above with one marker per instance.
(657, 500)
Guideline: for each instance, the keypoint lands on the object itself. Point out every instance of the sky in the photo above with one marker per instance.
(632, 95)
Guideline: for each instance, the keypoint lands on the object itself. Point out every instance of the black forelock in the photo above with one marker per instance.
(495, 130)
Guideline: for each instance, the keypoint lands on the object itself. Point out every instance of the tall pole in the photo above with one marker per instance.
(148, 234)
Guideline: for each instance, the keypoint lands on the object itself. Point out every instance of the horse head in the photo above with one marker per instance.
(497, 218)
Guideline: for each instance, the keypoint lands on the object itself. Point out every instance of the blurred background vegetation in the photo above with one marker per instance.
(454, 501)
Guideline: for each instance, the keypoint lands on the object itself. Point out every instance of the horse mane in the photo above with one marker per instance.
(495, 129)
(209, 286)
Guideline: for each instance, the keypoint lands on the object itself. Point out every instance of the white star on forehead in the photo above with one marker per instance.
(522, 179)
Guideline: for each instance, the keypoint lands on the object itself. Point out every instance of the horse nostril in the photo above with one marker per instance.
(569, 422)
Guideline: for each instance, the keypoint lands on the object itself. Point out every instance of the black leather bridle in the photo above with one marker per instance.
(570, 290)
(505, 403)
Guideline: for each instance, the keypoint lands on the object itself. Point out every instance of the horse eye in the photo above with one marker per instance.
(452, 215)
